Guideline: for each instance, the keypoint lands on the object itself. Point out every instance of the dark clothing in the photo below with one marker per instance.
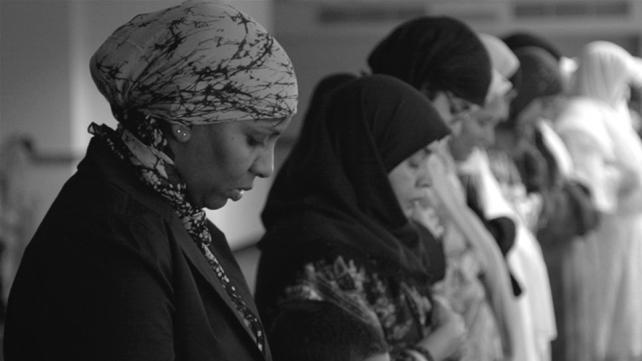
(503, 229)
(399, 307)
(335, 229)
(112, 274)
(336, 177)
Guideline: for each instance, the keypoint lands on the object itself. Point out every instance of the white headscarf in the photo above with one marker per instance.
(504, 64)
(501, 57)
(604, 72)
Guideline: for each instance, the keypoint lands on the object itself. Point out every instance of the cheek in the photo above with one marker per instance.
(469, 129)
(399, 181)
(407, 187)
(232, 160)
(468, 134)
(456, 126)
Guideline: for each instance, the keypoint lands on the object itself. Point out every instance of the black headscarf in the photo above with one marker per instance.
(523, 39)
(438, 54)
(540, 76)
(333, 190)
(321, 91)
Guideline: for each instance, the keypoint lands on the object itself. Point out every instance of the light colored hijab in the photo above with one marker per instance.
(501, 57)
(604, 72)
(504, 63)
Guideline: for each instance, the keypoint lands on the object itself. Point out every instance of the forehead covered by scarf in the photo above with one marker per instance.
(522, 39)
(321, 91)
(335, 180)
(397, 118)
(436, 53)
(197, 63)
(502, 58)
(362, 131)
(540, 77)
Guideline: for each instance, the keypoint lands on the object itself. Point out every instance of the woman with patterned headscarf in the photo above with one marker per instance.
(607, 157)
(125, 266)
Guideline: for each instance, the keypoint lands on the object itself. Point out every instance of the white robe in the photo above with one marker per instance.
(525, 261)
(607, 158)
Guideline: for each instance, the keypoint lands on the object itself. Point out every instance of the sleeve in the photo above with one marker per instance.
(340, 281)
(594, 169)
(568, 212)
(111, 295)
(343, 282)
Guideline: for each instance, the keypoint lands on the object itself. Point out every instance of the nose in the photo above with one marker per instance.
(263, 165)
(424, 178)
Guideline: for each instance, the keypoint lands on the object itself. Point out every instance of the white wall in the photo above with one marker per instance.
(34, 89)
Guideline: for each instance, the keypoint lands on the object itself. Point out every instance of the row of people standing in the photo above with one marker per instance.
(448, 64)
(567, 173)
(505, 212)
(374, 247)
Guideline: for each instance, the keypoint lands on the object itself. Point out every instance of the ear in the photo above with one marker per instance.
(181, 133)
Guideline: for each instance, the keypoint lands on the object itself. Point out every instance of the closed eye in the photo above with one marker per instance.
(416, 160)
(254, 141)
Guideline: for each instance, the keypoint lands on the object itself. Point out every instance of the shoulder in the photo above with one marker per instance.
(581, 112)
(584, 121)
(96, 217)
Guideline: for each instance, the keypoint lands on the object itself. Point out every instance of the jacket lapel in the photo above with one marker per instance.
(195, 256)
(111, 167)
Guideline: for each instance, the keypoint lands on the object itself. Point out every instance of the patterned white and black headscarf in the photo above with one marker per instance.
(201, 62)
(197, 63)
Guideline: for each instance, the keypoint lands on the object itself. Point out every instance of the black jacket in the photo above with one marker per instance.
(111, 274)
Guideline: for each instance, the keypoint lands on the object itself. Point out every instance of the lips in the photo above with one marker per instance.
(237, 194)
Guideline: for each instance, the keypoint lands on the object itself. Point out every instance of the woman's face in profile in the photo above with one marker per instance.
(479, 130)
(453, 110)
(411, 180)
(220, 161)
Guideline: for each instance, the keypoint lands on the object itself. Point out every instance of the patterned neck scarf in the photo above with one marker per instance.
(202, 62)
(152, 169)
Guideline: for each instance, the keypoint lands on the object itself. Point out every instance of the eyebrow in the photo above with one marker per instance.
(270, 129)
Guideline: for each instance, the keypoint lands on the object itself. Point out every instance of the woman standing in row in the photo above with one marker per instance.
(337, 218)
(607, 157)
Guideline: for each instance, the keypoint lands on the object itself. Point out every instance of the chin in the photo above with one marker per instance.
(210, 201)
(216, 203)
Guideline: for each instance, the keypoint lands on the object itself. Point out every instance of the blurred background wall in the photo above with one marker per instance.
(47, 96)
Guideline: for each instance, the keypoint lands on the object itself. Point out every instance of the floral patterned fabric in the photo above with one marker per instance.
(401, 310)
